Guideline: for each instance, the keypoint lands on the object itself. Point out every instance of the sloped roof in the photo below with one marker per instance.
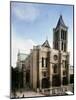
(61, 22)
(46, 44)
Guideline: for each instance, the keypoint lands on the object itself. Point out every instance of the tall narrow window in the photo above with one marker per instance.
(42, 62)
(65, 63)
(57, 45)
(65, 47)
(46, 62)
(23, 65)
(62, 34)
(55, 70)
(64, 72)
(62, 46)
(65, 35)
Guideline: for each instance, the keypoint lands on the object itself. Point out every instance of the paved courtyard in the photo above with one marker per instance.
(30, 93)
(26, 94)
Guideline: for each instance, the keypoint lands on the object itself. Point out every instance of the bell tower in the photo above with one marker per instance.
(60, 34)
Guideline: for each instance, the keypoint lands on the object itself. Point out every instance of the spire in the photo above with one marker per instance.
(61, 22)
(46, 44)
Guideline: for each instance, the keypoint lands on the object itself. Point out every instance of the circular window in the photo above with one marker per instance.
(55, 57)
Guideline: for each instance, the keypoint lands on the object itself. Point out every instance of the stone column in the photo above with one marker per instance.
(40, 70)
(68, 69)
(61, 75)
(50, 78)
(40, 83)
(61, 68)
(50, 72)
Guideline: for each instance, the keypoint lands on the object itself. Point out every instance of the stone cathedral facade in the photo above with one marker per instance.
(46, 68)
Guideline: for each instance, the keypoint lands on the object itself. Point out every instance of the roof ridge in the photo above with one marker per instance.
(46, 44)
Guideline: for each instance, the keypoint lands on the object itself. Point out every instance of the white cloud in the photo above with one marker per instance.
(25, 12)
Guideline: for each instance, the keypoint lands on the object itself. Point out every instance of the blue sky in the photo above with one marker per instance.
(32, 23)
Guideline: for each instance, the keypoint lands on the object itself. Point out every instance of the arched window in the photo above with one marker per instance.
(65, 47)
(55, 69)
(42, 62)
(56, 45)
(62, 46)
(62, 34)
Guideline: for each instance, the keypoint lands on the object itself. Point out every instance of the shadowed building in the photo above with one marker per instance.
(46, 68)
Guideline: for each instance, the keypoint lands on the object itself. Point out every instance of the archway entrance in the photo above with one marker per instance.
(28, 77)
(45, 83)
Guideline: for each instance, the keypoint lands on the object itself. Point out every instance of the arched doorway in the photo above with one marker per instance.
(45, 83)
(27, 76)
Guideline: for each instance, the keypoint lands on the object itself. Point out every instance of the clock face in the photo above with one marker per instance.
(55, 57)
